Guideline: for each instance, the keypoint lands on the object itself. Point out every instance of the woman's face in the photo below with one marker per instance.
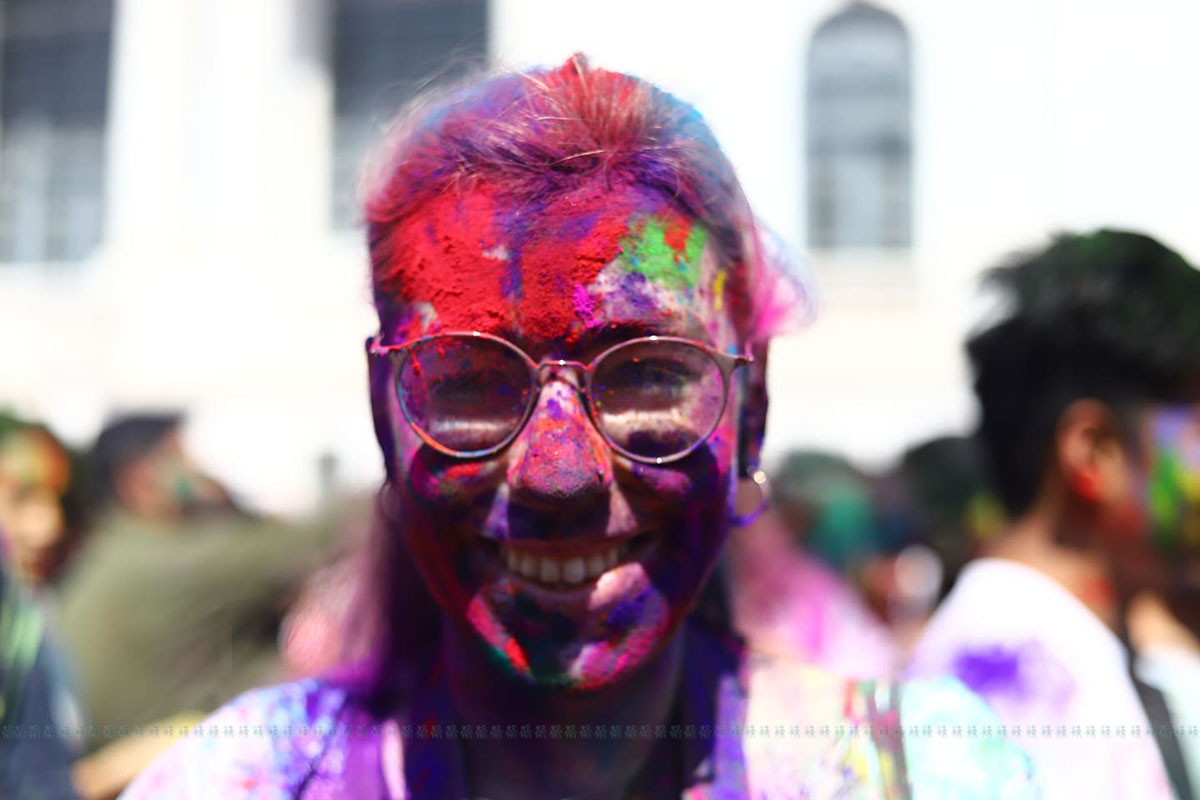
(496, 538)
(34, 473)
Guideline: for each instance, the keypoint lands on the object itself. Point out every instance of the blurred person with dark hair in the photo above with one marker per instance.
(785, 599)
(142, 467)
(1089, 390)
(937, 504)
(174, 603)
(948, 499)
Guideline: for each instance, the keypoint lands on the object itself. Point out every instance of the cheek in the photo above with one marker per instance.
(703, 479)
(434, 478)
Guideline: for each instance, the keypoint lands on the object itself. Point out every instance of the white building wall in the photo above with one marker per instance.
(220, 286)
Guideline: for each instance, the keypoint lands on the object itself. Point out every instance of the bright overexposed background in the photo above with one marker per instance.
(227, 278)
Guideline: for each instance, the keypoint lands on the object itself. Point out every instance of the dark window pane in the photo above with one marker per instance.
(384, 51)
(54, 71)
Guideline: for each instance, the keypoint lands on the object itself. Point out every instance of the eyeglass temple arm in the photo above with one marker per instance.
(376, 347)
(734, 360)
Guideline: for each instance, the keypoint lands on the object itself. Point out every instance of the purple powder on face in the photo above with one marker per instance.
(555, 410)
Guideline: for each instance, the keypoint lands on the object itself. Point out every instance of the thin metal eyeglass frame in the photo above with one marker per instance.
(541, 372)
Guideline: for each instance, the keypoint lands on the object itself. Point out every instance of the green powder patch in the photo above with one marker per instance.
(666, 252)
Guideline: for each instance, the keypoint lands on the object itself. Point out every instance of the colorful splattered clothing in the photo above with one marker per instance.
(1055, 675)
(776, 729)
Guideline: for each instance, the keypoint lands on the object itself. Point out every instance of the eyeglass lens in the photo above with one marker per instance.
(657, 399)
(466, 394)
(653, 399)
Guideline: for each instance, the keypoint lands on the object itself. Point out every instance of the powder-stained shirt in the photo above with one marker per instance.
(780, 730)
(1054, 674)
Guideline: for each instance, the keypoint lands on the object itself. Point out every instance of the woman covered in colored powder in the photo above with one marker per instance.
(567, 382)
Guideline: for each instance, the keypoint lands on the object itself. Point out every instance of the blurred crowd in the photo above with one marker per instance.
(149, 596)
(136, 591)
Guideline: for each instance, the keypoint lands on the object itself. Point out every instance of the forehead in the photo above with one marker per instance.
(551, 270)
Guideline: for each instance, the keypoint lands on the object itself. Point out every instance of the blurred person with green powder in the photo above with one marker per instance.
(785, 593)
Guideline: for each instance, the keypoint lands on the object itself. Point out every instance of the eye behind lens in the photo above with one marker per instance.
(467, 394)
(656, 399)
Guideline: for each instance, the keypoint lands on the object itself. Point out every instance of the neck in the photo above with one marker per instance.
(558, 767)
(1035, 540)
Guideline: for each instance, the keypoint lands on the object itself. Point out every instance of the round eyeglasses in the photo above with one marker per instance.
(654, 399)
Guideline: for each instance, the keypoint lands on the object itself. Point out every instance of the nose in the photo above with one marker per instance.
(559, 461)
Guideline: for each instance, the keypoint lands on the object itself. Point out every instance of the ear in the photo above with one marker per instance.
(752, 420)
(1090, 454)
(379, 377)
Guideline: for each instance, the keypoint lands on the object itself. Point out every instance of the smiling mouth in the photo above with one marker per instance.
(561, 571)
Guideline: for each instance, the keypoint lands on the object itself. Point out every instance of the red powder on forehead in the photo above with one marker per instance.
(485, 262)
(451, 256)
(571, 243)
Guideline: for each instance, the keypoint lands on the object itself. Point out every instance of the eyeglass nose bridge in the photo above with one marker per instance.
(573, 373)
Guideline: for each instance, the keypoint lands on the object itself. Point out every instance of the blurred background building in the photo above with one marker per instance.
(177, 187)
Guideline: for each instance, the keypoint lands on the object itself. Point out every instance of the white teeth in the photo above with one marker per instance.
(595, 564)
(610, 558)
(570, 571)
(573, 571)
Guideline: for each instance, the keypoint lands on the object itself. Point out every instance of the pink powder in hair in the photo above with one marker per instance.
(585, 306)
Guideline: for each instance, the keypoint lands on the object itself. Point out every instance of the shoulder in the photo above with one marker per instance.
(263, 744)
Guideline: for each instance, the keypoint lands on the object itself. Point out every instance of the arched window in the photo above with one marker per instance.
(859, 132)
(384, 51)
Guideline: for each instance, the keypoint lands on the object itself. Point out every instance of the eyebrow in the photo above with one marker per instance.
(614, 331)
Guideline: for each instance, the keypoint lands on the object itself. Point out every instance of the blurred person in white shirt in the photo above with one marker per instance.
(1089, 389)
